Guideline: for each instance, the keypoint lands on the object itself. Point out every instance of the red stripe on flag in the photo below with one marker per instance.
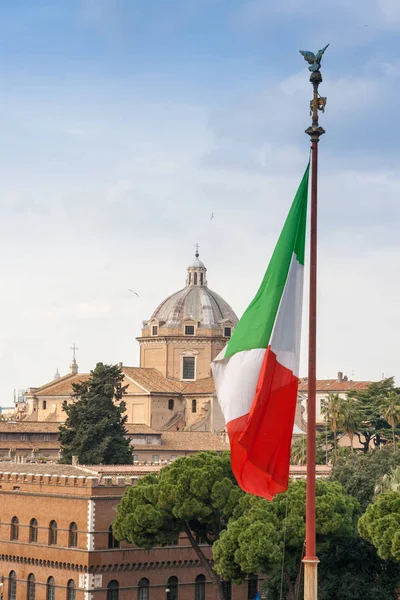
(261, 440)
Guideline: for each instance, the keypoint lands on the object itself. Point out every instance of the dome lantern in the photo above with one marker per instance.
(196, 272)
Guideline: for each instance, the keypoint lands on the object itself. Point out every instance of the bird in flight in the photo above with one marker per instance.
(212, 216)
(136, 294)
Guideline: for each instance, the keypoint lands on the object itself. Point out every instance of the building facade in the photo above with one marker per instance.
(57, 544)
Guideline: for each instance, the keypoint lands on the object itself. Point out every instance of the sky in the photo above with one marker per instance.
(124, 124)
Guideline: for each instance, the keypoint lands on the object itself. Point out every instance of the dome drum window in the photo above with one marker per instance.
(227, 331)
(189, 329)
(188, 368)
(154, 330)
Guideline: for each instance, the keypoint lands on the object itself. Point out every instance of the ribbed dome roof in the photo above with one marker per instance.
(195, 301)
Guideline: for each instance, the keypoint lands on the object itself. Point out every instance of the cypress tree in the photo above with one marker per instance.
(94, 430)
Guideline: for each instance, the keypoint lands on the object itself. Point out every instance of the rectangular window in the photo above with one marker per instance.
(173, 457)
(24, 437)
(156, 459)
(188, 367)
(189, 329)
(227, 331)
(44, 404)
(46, 437)
(155, 330)
(135, 458)
(227, 590)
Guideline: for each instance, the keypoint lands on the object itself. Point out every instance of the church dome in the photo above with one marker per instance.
(195, 302)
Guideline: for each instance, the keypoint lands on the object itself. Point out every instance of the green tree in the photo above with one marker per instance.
(389, 482)
(351, 570)
(369, 401)
(391, 412)
(380, 525)
(259, 532)
(350, 419)
(332, 409)
(195, 495)
(359, 473)
(94, 430)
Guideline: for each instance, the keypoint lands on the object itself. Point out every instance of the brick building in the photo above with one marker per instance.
(56, 543)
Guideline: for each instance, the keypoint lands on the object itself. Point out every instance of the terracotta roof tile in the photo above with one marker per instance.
(62, 386)
(132, 428)
(152, 380)
(28, 427)
(201, 386)
(192, 441)
(334, 385)
(5, 445)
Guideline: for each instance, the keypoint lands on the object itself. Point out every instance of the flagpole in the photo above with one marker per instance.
(314, 131)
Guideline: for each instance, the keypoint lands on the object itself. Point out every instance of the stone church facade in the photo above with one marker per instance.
(172, 389)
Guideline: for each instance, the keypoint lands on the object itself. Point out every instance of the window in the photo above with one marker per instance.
(73, 536)
(12, 586)
(51, 589)
(46, 437)
(14, 528)
(195, 279)
(227, 589)
(174, 456)
(31, 587)
(44, 404)
(33, 532)
(135, 458)
(52, 534)
(190, 278)
(112, 541)
(189, 329)
(194, 406)
(252, 587)
(188, 367)
(113, 590)
(154, 330)
(24, 437)
(171, 404)
(227, 331)
(71, 590)
(172, 587)
(201, 278)
(156, 459)
(200, 588)
(143, 589)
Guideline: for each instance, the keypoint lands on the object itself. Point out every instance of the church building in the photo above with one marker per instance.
(172, 389)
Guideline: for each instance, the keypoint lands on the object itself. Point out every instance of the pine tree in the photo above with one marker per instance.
(94, 430)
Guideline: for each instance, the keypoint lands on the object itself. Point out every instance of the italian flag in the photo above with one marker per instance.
(256, 375)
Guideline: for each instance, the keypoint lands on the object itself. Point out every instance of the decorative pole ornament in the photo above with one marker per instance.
(315, 131)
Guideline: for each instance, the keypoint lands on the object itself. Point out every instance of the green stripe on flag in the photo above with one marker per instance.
(255, 327)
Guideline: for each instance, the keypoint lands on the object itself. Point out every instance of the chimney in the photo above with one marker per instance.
(340, 376)
(75, 460)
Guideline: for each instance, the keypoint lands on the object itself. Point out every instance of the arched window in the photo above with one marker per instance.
(33, 532)
(171, 404)
(113, 590)
(143, 589)
(14, 528)
(252, 587)
(31, 587)
(200, 587)
(227, 589)
(201, 278)
(194, 405)
(71, 590)
(12, 586)
(53, 533)
(73, 536)
(112, 541)
(190, 278)
(172, 587)
(195, 278)
(51, 589)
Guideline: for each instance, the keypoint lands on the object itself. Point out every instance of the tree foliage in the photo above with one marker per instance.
(94, 430)
(260, 531)
(351, 570)
(359, 473)
(195, 495)
(380, 525)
